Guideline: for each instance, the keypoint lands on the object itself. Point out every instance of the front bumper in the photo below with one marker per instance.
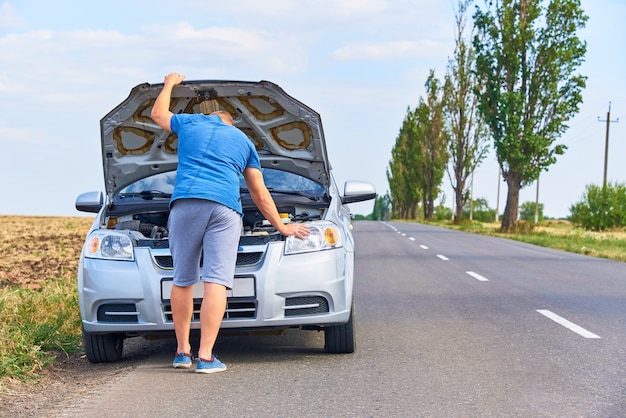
(275, 291)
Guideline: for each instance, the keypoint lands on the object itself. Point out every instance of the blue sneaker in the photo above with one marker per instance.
(182, 361)
(208, 366)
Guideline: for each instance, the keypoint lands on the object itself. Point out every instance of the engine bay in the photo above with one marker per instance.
(153, 224)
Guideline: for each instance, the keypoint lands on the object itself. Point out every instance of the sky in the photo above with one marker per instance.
(359, 63)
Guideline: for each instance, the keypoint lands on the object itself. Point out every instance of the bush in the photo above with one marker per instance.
(601, 207)
(442, 213)
(527, 211)
(481, 211)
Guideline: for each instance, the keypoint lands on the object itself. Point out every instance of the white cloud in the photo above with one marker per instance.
(388, 50)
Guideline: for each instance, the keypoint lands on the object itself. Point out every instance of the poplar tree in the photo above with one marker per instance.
(432, 142)
(402, 174)
(468, 144)
(527, 56)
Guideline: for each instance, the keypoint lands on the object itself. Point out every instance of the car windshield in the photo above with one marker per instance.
(162, 185)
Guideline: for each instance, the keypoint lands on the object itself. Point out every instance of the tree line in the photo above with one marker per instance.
(511, 84)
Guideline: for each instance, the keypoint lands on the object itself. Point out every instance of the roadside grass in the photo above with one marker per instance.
(39, 312)
(37, 325)
(556, 234)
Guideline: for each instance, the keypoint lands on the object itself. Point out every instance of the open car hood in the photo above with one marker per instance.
(288, 135)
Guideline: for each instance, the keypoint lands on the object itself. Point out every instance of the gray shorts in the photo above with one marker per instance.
(203, 228)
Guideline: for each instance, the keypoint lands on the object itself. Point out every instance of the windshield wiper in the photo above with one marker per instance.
(147, 194)
(289, 192)
(294, 193)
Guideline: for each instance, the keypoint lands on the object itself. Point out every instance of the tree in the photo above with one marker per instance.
(382, 206)
(468, 133)
(432, 142)
(402, 174)
(526, 57)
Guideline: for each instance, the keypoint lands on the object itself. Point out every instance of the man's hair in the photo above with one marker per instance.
(225, 116)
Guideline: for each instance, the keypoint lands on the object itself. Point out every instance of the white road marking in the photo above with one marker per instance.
(403, 234)
(477, 276)
(422, 246)
(443, 257)
(412, 239)
(567, 324)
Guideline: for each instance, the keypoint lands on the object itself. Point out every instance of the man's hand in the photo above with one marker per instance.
(173, 79)
(298, 230)
(161, 109)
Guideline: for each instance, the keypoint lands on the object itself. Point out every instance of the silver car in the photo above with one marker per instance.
(125, 269)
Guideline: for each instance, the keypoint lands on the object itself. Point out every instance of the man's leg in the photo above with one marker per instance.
(211, 314)
(182, 310)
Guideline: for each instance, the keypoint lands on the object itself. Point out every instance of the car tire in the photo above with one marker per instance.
(103, 348)
(341, 339)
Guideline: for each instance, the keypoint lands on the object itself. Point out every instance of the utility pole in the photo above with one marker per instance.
(537, 203)
(606, 145)
(498, 195)
(471, 214)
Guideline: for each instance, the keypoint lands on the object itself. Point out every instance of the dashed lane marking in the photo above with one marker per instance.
(477, 276)
(567, 324)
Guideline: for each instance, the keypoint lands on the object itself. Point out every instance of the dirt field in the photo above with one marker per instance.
(35, 248)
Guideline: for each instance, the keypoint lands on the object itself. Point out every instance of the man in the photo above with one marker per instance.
(205, 217)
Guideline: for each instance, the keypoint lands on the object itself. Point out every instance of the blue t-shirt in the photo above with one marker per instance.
(211, 156)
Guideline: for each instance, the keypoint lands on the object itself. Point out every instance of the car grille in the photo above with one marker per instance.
(118, 312)
(306, 305)
(243, 260)
(236, 308)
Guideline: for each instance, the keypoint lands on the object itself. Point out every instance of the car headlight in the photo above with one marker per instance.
(324, 236)
(109, 245)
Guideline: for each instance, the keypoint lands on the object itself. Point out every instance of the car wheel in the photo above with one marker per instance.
(103, 348)
(340, 339)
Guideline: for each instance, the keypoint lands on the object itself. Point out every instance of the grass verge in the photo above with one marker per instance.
(559, 235)
(36, 326)
(39, 313)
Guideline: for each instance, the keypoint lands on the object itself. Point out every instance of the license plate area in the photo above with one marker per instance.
(243, 287)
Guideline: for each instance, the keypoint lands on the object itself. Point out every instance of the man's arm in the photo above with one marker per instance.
(263, 200)
(161, 113)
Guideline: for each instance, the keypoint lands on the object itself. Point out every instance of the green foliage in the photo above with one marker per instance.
(402, 173)
(442, 213)
(526, 57)
(601, 208)
(432, 144)
(527, 212)
(481, 211)
(419, 156)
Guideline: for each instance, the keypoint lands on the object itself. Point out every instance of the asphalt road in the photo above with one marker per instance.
(448, 325)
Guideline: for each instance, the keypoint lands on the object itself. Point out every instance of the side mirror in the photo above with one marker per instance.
(358, 191)
(90, 202)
